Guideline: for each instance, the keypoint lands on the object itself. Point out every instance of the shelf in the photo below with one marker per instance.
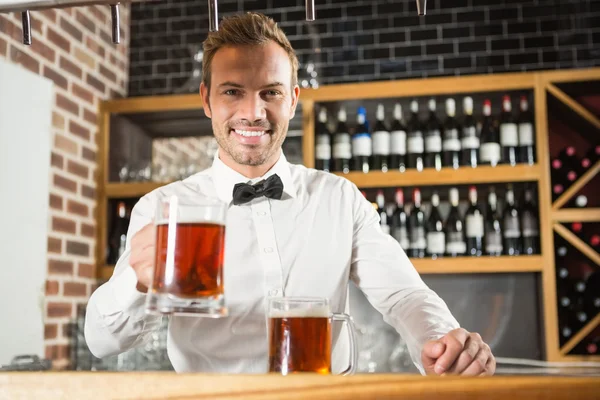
(577, 186)
(479, 265)
(447, 176)
(576, 215)
(577, 243)
(134, 189)
(583, 332)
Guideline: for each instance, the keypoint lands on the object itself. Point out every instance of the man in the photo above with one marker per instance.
(319, 234)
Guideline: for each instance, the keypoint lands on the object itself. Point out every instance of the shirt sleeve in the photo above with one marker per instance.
(115, 318)
(384, 273)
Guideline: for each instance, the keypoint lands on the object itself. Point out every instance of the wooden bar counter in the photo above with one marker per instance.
(171, 386)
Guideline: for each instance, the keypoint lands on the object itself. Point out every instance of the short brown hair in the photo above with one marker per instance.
(246, 29)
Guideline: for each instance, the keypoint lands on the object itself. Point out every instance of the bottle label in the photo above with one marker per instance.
(493, 242)
(436, 242)
(526, 134)
(415, 144)
(381, 143)
(417, 238)
(362, 145)
(323, 152)
(470, 139)
(451, 145)
(342, 149)
(508, 135)
(456, 247)
(511, 228)
(401, 235)
(398, 142)
(530, 228)
(474, 225)
(490, 152)
(433, 143)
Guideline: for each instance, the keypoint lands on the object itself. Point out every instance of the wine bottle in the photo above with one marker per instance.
(362, 146)
(474, 225)
(511, 226)
(592, 346)
(568, 158)
(490, 150)
(557, 178)
(594, 242)
(118, 233)
(398, 141)
(323, 143)
(591, 295)
(470, 140)
(526, 133)
(415, 142)
(451, 146)
(529, 224)
(593, 154)
(493, 226)
(455, 240)
(381, 142)
(342, 147)
(418, 241)
(382, 211)
(436, 238)
(400, 221)
(509, 137)
(433, 139)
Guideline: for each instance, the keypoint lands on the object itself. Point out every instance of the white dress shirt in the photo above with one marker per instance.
(321, 234)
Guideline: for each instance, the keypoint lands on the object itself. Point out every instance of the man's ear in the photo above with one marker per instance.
(295, 96)
(205, 100)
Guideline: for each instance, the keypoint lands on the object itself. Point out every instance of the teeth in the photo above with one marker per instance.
(249, 133)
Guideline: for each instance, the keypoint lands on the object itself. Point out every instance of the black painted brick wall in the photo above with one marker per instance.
(367, 40)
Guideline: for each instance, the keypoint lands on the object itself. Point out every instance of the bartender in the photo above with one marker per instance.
(319, 233)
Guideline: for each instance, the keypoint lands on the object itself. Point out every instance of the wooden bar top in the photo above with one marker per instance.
(172, 386)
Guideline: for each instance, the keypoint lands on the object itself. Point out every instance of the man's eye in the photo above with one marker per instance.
(231, 92)
(273, 92)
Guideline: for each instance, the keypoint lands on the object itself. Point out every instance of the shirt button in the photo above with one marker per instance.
(273, 292)
(268, 249)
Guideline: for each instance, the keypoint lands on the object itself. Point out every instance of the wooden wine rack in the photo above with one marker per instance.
(542, 84)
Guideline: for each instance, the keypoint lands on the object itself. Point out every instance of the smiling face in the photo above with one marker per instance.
(251, 102)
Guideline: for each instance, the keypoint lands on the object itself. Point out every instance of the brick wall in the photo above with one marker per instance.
(73, 48)
(365, 40)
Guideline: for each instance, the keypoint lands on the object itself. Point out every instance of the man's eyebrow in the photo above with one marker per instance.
(274, 84)
(231, 84)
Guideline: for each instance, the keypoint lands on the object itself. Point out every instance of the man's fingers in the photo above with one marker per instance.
(490, 367)
(455, 342)
(466, 357)
(432, 350)
(478, 365)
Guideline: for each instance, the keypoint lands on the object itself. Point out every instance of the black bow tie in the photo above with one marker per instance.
(272, 187)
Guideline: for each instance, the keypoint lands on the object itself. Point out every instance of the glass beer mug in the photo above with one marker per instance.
(299, 332)
(189, 252)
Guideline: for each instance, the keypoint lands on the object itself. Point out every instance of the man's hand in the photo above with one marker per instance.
(459, 352)
(141, 258)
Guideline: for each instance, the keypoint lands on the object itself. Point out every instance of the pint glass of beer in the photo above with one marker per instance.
(299, 331)
(188, 266)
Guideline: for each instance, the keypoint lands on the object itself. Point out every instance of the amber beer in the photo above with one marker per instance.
(189, 257)
(300, 335)
(199, 249)
(300, 343)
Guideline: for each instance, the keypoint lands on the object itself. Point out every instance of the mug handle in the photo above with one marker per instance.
(352, 334)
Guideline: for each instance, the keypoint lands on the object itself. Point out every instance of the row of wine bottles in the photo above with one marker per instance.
(513, 232)
(567, 167)
(426, 143)
(578, 289)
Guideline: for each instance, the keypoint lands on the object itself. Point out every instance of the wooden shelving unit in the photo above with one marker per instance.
(446, 176)
(479, 265)
(542, 84)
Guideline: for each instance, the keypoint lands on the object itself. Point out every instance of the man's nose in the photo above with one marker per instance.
(253, 109)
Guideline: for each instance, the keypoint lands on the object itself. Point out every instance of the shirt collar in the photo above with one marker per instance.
(225, 178)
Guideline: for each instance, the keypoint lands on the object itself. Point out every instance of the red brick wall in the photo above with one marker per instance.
(73, 48)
